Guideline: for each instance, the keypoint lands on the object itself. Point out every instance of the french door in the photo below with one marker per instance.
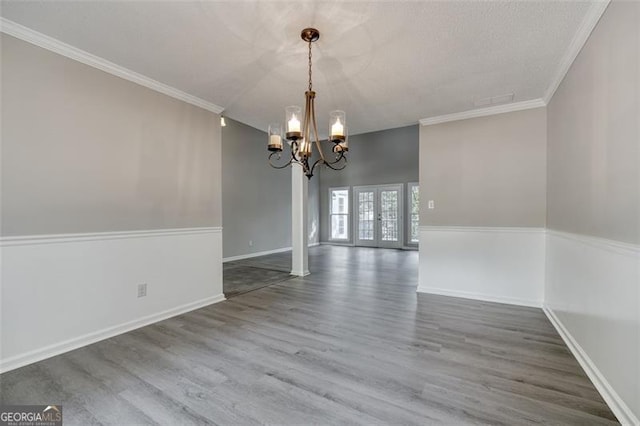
(378, 216)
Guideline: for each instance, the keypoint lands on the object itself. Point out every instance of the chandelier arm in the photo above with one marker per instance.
(294, 150)
(340, 157)
(332, 167)
(275, 166)
(301, 161)
(318, 161)
(308, 171)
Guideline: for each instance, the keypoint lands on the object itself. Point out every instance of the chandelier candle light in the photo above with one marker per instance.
(302, 135)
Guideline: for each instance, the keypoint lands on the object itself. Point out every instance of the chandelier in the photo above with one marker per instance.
(301, 138)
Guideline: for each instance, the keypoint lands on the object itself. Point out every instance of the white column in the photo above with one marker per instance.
(299, 223)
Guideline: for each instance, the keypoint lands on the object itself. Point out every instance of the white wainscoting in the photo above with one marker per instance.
(592, 297)
(61, 292)
(495, 264)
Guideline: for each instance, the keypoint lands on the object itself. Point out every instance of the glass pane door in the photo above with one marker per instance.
(365, 217)
(378, 216)
(389, 214)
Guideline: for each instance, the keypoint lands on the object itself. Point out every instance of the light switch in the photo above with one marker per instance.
(431, 204)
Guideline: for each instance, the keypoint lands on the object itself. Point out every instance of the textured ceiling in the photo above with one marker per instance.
(386, 63)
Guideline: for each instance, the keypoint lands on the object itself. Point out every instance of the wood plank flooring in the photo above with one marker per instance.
(352, 343)
(239, 278)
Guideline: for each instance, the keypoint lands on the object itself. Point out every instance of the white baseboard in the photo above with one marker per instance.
(78, 342)
(611, 397)
(256, 254)
(261, 253)
(300, 273)
(480, 296)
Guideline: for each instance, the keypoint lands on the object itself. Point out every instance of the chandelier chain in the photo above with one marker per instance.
(310, 84)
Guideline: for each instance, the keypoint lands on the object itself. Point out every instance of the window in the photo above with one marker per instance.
(339, 214)
(414, 211)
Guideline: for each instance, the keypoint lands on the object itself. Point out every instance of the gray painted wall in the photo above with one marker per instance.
(487, 171)
(256, 198)
(594, 134)
(85, 151)
(593, 286)
(384, 157)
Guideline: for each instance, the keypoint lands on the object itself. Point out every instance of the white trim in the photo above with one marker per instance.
(261, 253)
(431, 228)
(589, 22)
(26, 34)
(601, 243)
(256, 254)
(581, 36)
(480, 296)
(78, 342)
(90, 236)
(613, 400)
(483, 112)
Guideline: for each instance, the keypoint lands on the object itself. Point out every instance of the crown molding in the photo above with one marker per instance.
(483, 112)
(595, 12)
(30, 36)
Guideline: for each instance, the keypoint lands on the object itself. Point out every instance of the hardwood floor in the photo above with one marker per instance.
(239, 278)
(352, 343)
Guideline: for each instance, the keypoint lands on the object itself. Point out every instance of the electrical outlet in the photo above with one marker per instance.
(142, 290)
(250, 243)
(431, 204)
